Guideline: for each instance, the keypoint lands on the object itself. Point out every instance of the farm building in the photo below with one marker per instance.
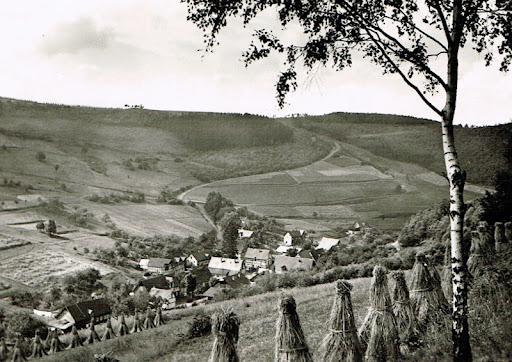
(225, 266)
(228, 282)
(257, 258)
(327, 243)
(210, 293)
(283, 264)
(293, 237)
(197, 259)
(159, 265)
(79, 314)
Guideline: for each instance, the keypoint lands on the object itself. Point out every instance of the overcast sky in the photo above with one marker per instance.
(116, 52)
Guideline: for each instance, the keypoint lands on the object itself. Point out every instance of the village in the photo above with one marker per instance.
(200, 278)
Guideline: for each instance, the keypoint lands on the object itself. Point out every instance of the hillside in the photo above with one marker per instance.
(417, 141)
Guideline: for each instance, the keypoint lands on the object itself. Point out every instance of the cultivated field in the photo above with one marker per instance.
(37, 267)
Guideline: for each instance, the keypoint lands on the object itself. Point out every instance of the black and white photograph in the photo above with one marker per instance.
(256, 180)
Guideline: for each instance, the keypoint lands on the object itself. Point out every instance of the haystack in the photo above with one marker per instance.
(379, 331)
(158, 321)
(446, 281)
(341, 342)
(290, 342)
(18, 353)
(93, 336)
(499, 237)
(148, 321)
(137, 323)
(55, 343)
(75, 339)
(486, 238)
(47, 340)
(109, 332)
(3, 350)
(225, 326)
(123, 328)
(508, 231)
(406, 322)
(436, 284)
(37, 347)
(479, 254)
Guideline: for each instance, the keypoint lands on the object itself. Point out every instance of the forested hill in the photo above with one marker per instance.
(481, 149)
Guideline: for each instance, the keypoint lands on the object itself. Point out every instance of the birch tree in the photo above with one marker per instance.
(409, 39)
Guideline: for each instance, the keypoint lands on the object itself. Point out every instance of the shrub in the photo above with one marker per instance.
(201, 325)
(40, 156)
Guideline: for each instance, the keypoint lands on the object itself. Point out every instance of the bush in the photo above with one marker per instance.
(201, 325)
(40, 156)
(25, 299)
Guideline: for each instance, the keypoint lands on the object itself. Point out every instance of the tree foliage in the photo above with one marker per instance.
(230, 224)
(215, 205)
(402, 37)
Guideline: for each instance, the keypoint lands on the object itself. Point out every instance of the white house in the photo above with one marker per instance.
(168, 296)
(143, 263)
(225, 266)
(197, 259)
(327, 243)
(293, 237)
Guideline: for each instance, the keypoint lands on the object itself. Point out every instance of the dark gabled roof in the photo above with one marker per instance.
(200, 256)
(236, 281)
(210, 293)
(287, 263)
(159, 282)
(310, 254)
(158, 262)
(83, 310)
(295, 233)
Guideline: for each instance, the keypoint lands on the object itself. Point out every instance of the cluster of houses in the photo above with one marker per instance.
(212, 273)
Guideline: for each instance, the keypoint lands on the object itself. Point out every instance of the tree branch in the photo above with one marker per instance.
(399, 71)
(446, 29)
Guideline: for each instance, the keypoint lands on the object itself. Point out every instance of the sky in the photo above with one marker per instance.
(116, 52)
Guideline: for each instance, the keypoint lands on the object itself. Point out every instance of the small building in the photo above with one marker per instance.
(225, 266)
(257, 258)
(210, 293)
(143, 263)
(236, 281)
(159, 265)
(197, 259)
(283, 264)
(327, 243)
(79, 314)
(293, 237)
(245, 234)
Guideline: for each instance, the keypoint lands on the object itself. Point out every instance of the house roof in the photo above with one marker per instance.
(158, 262)
(245, 233)
(210, 293)
(155, 282)
(283, 248)
(225, 265)
(144, 263)
(283, 262)
(236, 281)
(199, 256)
(83, 310)
(310, 254)
(257, 254)
(165, 294)
(327, 243)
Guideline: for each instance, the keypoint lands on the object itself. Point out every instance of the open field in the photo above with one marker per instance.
(149, 219)
(38, 266)
(336, 192)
